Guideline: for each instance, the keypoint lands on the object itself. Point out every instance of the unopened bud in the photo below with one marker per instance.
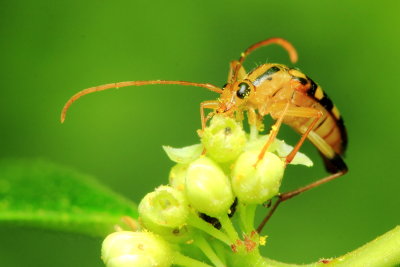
(224, 139)
(165, 212)
(208, 188)
(256, 183)
(142, 249)
(177, 176)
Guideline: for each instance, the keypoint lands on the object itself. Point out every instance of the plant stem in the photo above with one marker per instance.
(198, 223)
(182, 260)
(383, 251)
(249, 219)
(242, 212)
(208, 251)
(254, 259)
(221, 249)
(246, 215)
(227, 226)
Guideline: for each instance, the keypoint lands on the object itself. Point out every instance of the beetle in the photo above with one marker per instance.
(284, 93)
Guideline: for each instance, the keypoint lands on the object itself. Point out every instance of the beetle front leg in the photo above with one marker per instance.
(211, 104)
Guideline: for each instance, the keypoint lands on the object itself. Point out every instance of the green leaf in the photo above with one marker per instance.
(37, 193)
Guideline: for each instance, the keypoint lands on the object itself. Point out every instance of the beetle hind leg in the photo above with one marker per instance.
(333, 161)
(341, 169)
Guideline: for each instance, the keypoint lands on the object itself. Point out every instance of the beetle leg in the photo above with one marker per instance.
(321, 145)
(252, 117)
(303, 112)
(274, 131)
(211, 104)
(280, 110)
(288, 195)
(253, 120)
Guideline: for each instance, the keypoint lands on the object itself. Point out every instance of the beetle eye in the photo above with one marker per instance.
(243, 91)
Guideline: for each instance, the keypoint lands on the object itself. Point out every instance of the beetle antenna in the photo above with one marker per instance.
(279, 41)
(131, 83)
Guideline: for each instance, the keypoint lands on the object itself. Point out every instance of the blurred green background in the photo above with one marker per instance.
(52, 49)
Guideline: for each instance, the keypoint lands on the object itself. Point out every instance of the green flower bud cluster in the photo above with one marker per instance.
(204, 183)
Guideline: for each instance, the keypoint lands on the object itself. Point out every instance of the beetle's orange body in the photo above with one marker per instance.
(271, 86)
(286, 94)
(290, 97)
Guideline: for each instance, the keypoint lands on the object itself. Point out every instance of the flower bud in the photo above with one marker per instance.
(280, 148)
(141, 249)
(208, 188)
(177, 176)
(224, 139)
(165, 212)
(257, 184)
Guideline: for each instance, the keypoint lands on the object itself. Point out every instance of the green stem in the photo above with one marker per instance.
(208, 251)
(250, 214)
(243, 216)
(242, 212)
(383, 251)
(227, 226)
(221, 249)
(198, 223)
(182, 260)
(254, 259)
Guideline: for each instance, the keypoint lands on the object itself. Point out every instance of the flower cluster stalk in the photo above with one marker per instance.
(210, 203)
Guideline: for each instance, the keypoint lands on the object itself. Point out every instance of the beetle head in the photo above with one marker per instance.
(235, 96)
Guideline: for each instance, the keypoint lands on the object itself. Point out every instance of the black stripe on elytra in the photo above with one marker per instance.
(266, 75)
(313, 87)
(326, 102)
(328, 105)
(300, 79)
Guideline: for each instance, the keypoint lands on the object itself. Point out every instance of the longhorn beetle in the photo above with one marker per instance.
(287, 94)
